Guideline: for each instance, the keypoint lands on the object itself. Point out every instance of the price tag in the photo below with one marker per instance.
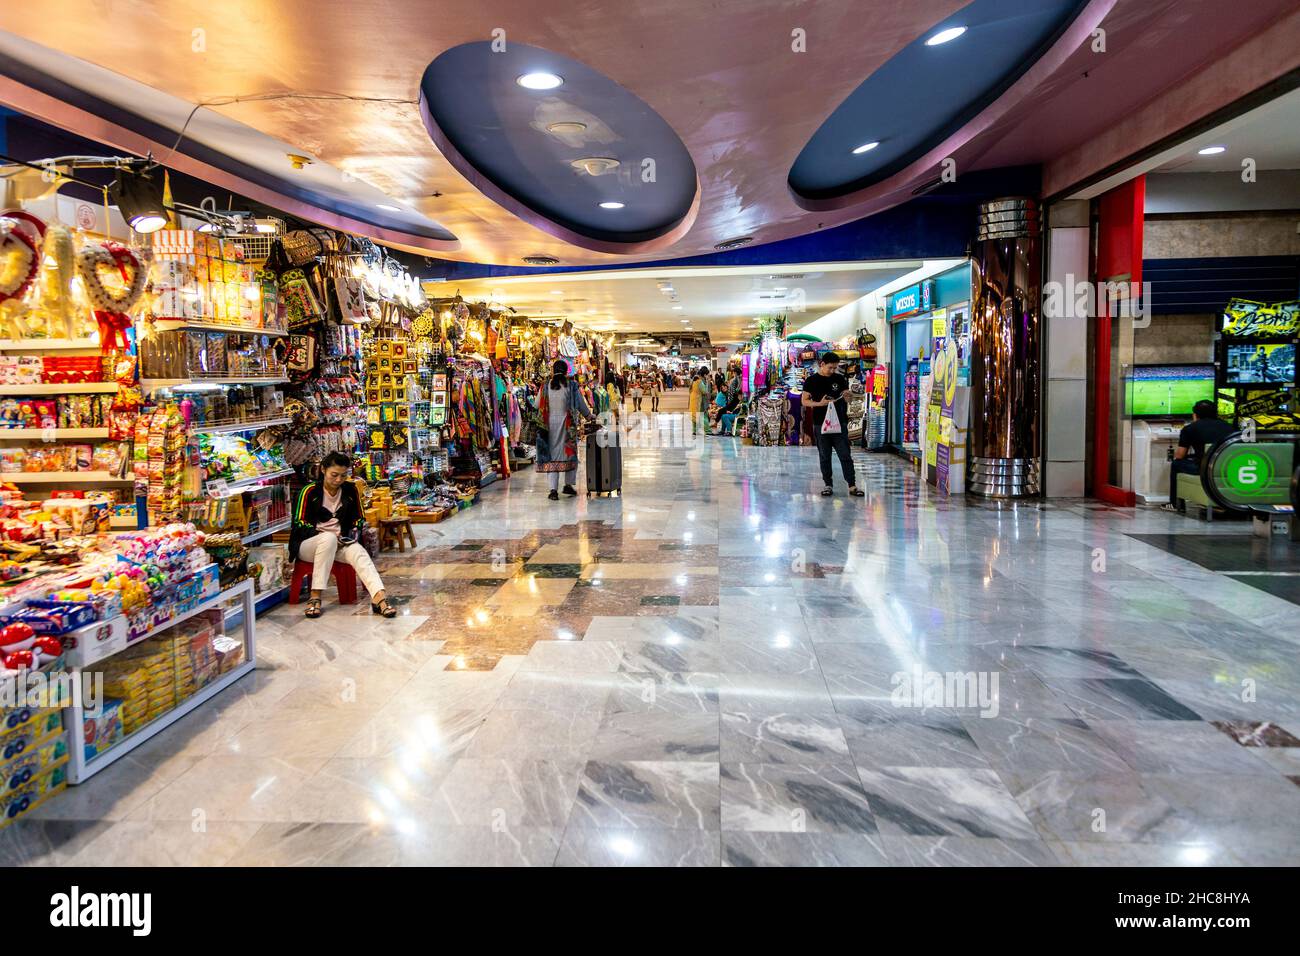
(217, 488)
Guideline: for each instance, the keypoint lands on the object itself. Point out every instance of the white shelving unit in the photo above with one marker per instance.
(74, 716)
(235, 487)
(269, 530)
(171, 325)
(64, 388)
(62, 477)
(155, 384)
(47, 345)
(52, 434)
(238, 426)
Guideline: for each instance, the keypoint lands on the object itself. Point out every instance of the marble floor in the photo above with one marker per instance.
(721, 667)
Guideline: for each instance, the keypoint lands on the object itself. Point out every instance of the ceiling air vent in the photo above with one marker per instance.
(736, 243)
(541, 260)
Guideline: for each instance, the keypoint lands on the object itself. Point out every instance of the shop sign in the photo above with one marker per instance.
(913, 300)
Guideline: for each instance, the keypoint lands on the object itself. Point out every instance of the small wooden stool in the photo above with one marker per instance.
(395, 529)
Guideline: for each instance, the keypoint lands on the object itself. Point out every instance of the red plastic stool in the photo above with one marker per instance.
(345, 579)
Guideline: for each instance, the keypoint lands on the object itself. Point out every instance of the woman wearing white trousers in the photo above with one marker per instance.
(327, 523)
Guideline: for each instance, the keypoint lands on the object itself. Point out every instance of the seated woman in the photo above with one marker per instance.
(716, 408)
(327, 524)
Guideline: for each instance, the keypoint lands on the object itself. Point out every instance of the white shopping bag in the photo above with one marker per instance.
(831, 423)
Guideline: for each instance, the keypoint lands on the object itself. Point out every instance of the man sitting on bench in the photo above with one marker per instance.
(1197, 439)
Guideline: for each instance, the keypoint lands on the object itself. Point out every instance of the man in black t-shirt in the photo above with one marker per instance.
(1208, 430)
(820, 390)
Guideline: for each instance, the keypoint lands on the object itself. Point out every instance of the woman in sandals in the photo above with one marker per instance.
(327, 524)
(560, 404)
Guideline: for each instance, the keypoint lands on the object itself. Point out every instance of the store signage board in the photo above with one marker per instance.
(913, 300)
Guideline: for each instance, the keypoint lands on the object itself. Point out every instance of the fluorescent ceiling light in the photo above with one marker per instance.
(384, 205)
(1212, 150)
(864, 148)
(611, 205)
(677, 307)
(539, 81)
(943, 36)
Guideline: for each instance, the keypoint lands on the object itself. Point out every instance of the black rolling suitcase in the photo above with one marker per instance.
(604, 463)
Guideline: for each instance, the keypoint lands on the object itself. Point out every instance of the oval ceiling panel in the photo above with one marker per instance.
(560, 145)
(927, 91)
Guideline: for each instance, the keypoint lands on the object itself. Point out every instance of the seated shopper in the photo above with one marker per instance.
(327, 524)
(1195, 441)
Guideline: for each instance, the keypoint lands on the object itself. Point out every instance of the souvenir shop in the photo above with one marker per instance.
(166, 384)
(773, 367)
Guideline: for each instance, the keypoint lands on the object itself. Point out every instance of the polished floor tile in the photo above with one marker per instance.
(716, 669)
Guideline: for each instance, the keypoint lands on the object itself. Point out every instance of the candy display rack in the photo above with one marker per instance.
(81, 726)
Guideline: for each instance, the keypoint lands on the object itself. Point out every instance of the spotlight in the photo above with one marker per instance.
(139, 199)
(539, 81)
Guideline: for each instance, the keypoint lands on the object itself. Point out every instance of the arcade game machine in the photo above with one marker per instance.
(1255, 366)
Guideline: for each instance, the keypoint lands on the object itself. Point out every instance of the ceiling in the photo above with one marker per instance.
(341, 84)
(1269, 135)
(720, 301)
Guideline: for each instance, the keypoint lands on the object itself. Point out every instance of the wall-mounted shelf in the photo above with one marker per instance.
(46, 345)
(171, 325)
(60, 388)
(201, 429)
(153, 384)
(63, 477)
(244, 484)
(43, 434)
(269, 530)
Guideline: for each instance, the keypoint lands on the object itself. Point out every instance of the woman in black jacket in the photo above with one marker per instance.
(327, 524)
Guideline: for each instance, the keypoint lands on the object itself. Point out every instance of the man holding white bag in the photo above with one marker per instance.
(825, 392)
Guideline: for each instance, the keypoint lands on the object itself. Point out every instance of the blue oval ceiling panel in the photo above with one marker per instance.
(552, 140)
(926, 92)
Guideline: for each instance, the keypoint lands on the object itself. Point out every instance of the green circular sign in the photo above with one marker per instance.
(1247, 472)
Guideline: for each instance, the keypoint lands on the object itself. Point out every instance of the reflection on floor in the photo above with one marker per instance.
(722, 667)
(1270, 564)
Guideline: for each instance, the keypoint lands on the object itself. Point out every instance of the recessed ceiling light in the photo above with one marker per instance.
(540, 81)
(566, 127)
(384, 205)
(611, 205)
(1212, 150)
(865, 148)
(943, 36)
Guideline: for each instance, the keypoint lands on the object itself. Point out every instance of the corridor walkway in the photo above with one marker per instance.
(721, 667)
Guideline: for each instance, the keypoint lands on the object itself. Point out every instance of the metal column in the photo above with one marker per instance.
(1006, 371)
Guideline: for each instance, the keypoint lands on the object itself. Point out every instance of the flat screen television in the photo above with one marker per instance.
(1158, 390)
(1259, 363)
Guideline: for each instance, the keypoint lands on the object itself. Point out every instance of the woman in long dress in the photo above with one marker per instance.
(560, 405)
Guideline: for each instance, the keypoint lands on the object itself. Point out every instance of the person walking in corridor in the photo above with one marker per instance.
(824, 390)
